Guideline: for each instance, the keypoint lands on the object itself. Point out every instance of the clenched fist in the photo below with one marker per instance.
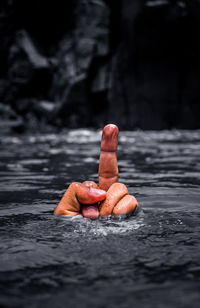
(110, 197)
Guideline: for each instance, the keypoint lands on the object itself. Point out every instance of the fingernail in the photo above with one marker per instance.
(97, 192)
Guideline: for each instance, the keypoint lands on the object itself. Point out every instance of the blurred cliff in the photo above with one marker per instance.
(81, 63)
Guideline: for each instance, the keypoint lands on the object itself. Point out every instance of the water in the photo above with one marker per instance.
(148, 260)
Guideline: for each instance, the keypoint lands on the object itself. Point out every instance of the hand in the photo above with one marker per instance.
(85, 198)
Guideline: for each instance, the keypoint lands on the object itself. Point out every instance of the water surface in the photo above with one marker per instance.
(148, 260)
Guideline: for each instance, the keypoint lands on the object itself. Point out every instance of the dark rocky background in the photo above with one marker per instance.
(83, 63)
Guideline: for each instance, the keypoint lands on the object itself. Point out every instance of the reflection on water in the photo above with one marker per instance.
(147, 260)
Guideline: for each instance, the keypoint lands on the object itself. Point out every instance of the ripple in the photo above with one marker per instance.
(152, 257)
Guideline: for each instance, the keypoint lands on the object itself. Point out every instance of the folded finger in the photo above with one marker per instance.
(114, 194)
(125, 206)
(108, 169)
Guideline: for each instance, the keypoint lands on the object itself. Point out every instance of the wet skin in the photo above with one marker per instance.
(110, 197)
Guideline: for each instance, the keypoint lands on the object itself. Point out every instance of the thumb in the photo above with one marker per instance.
(89, 195)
